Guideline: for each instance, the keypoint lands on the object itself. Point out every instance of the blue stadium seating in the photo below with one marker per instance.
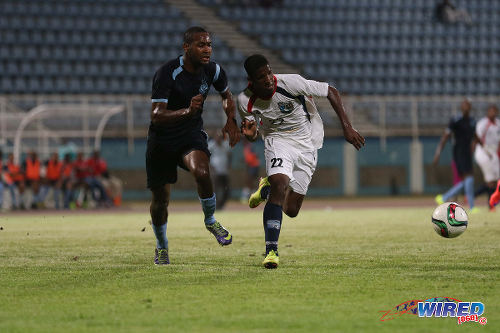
(93, 46)
(403, 43)
(361, 46)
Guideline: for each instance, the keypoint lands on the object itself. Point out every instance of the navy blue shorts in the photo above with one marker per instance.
(162, 159)
(463, 161)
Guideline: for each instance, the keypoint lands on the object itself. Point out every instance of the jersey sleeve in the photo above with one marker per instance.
(480, 128)
(243, 108)
(162, 86)
(297, 85)
(220, 79)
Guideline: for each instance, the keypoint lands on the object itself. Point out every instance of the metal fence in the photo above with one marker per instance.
(375, 116)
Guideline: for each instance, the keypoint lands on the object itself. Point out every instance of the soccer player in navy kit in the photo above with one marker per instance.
(176, 136)
(462, 129)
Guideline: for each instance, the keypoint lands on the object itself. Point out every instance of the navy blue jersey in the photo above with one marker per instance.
(176, 86)
(463, 132)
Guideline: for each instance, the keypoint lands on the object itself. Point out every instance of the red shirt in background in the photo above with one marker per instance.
(81, 169)
(96, 166)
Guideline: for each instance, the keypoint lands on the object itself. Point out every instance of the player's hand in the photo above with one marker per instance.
(196, 104)
(354, 138)
(231, 130)
(249, 128)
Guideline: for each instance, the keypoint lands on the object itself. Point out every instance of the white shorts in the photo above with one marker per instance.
(490, 166)
(283, 156)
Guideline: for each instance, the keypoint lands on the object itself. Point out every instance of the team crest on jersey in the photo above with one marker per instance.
(285, 107)
(204, 87)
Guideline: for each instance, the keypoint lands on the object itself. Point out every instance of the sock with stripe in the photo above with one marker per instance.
(273, 215)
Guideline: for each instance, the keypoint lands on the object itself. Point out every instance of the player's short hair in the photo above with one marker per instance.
(190, 32)
(254, 62)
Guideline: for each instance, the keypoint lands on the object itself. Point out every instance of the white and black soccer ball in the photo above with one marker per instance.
(449, 220)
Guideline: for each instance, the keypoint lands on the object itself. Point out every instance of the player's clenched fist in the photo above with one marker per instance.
(196, 104)
(249, 129)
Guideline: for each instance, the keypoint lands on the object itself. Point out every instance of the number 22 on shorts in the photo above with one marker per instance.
(276, 162)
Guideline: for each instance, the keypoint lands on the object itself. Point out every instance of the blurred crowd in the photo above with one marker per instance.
(67, 180)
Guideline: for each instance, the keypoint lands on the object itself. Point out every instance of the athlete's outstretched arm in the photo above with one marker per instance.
(231, 128)
(350, 134)
(160, 115)
(440, 147)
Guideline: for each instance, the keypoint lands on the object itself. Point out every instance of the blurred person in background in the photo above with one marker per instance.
(33, 177)
(68, 180)
(446, 12)
(461, 130)
(252, 165)
(220, 161)
(53, 177)
(67, 147)
(96, 167)
(6, 182)
(81, 186)
(487, 141)
(16, 174)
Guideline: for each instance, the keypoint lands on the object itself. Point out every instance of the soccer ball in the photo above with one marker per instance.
(449, 220)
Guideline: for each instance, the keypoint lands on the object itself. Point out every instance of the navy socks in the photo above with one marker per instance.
(273, 215)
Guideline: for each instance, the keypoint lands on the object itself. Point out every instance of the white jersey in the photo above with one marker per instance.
(489, 133)
(290, 113)
(220, 156)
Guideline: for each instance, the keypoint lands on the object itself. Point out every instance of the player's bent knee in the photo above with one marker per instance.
(201, 175)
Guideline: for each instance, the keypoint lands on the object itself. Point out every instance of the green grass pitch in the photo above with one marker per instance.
(339, 270)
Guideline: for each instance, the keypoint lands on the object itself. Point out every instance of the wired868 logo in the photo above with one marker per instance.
(440, 307)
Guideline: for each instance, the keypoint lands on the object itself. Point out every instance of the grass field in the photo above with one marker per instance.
(339, 270)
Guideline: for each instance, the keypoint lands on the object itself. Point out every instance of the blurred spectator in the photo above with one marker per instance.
(67, 180)
(111, 185)
(6, 182)
(96, 167)
(67, 147)
(220, 161)
(53, 177)
(32, 167)
(86, 172)
(252, 164)
(446, 12)
(81, 174)
(15, 173)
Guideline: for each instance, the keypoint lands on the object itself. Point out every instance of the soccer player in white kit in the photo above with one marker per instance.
(280, 107)
(486, 153)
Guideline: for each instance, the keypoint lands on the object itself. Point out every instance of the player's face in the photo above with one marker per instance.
(465, 106)
(492, 112)
(263, 81)
(200, 49)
